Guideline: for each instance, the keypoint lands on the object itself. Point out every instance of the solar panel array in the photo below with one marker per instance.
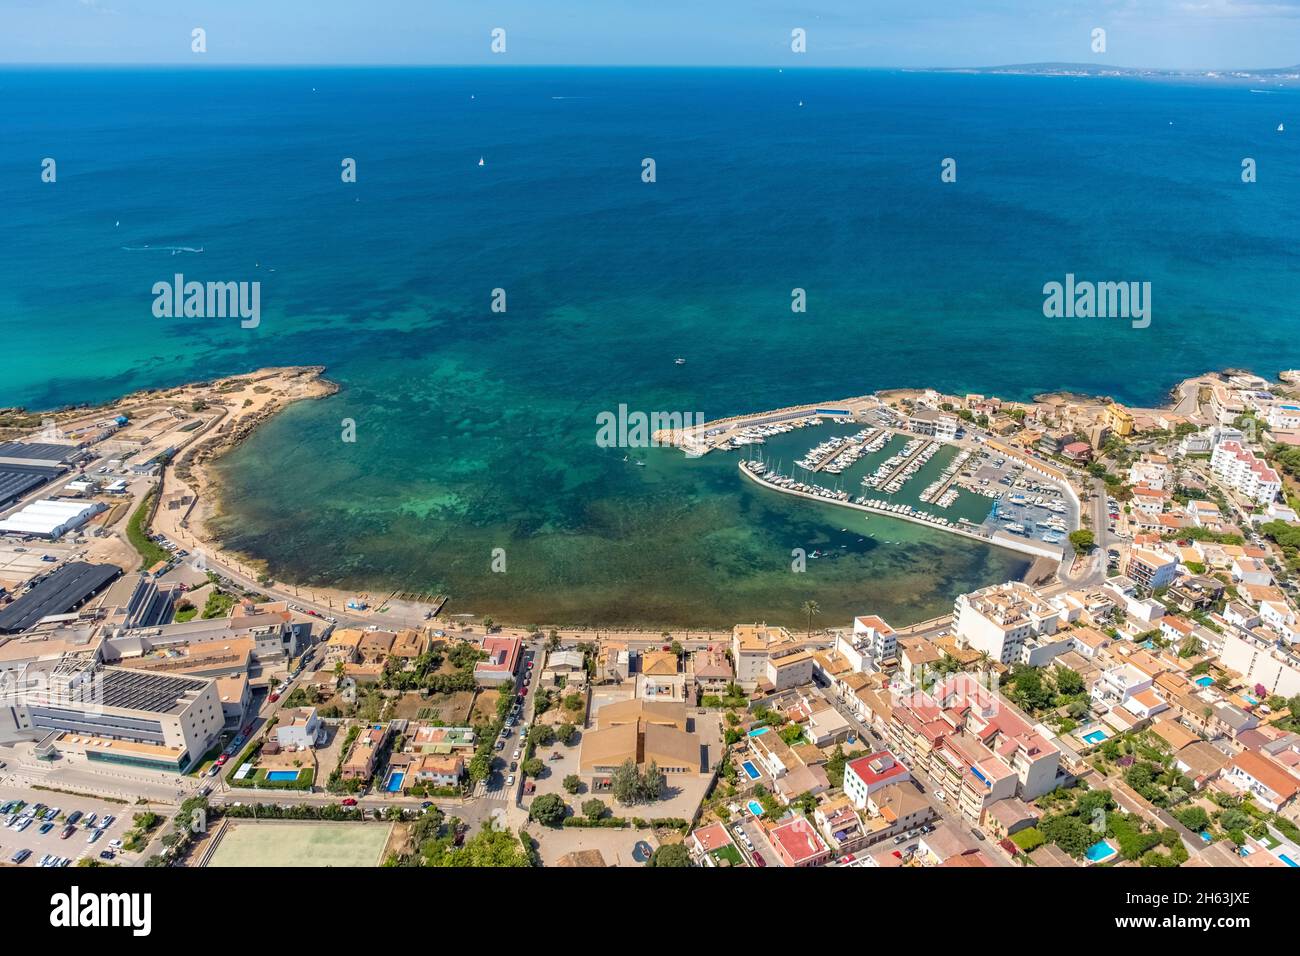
(58, 593)
(143, 690)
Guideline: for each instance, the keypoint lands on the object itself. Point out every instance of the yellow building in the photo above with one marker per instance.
(1119, 419)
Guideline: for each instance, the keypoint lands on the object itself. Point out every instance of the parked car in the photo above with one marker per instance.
(107, 855)
(759, 861)
(510, 780)
(349, 801)
(67, 832)
(20, 856)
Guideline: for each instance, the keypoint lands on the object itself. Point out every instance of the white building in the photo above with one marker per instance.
(1240, 470)
(118, 715)
(1284, 417)
(873, 641)
(51, 517)
(1000, 619)
(1259, 662)
(299, 728)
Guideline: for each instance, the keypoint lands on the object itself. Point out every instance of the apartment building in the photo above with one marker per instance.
(1262, 662)
(753, 645)
(1000, 620)
(1150, 569)
(1239, 469)
(973, 740)
(872, 642)
(865, 775)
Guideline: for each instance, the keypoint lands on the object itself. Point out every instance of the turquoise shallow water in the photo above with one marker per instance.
(476, 430)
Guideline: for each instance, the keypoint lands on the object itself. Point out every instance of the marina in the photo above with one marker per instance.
(760, 473)
(967, 484)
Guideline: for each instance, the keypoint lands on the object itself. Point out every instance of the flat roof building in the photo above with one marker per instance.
(94, 707)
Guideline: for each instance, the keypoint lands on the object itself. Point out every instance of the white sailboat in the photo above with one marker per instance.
(480, 161)
(1281, 128)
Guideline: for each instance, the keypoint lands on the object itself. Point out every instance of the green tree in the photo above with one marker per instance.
(572, 783)
(1069, 833)
(672, 854)
(549, 810)
(593, 809)
(812, 609)
(1082, 540)
(1068, 682)
(625, 781)
(835, 766)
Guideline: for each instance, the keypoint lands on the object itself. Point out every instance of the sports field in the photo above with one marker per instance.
(246, 843)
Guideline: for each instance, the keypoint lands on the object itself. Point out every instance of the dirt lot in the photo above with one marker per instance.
(450, 708)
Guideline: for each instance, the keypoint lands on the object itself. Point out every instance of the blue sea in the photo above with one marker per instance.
(476, 429)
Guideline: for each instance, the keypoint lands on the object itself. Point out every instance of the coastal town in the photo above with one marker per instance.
(1132, 701)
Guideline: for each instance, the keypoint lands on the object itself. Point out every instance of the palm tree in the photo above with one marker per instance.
(984, 660)
(810, 608)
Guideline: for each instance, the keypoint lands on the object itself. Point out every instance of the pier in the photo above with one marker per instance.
(844, 449)
(921, 450)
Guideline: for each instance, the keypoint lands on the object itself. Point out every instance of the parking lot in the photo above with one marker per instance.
(52, 842)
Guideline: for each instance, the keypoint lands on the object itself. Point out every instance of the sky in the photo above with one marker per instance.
(1200, 34)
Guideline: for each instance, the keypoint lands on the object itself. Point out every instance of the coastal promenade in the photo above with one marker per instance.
(1000, 539)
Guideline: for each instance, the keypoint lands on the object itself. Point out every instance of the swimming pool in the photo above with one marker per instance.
(1100, 852)
(281, 775)
(1204, 681)
(1287, 860)
(1094, 737)
(750, 770)
(758, 731)
(394, 783)
(756, 808)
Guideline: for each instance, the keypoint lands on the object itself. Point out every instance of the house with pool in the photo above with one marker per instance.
(362, 758)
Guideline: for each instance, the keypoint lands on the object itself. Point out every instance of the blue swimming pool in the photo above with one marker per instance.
(1100, 851)
(750, 770)
(755, 808)
(1204, 680)
(1094, 737)
(281, 775)
(1286, 859)
(759, 731)
(394, 782)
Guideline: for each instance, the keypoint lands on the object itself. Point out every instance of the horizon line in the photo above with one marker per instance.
(240, 64)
